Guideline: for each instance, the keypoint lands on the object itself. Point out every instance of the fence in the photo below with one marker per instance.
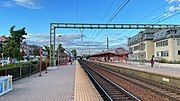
(23, 70)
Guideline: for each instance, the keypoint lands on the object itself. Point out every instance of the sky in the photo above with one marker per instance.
(36, 16)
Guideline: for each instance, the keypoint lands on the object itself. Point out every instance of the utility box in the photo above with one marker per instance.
(5, 84)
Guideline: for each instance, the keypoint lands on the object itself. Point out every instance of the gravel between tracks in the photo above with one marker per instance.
(142, 93)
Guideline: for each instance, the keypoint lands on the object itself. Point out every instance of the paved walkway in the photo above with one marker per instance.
(84, 89)
(67, 83)
(164, 70)
(56, 85)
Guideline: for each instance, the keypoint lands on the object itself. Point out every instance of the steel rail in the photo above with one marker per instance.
(112, 83)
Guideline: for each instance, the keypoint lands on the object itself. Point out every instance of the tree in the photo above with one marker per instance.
(36, 52)
(60, 48)
(12, 47)
(74, 52)
(1, 50)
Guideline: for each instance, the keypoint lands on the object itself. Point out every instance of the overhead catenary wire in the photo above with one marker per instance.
(167, 18)
(155, 10)
(118, 11)
(104, 16)
(152, 12)
(77, 10)
(114, 15)
(158, 21)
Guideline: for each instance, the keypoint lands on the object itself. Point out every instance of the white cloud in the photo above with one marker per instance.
(170, 1)
(30, 4)
(174, 8)
(167, 14)
(43, 39)
(8, 4)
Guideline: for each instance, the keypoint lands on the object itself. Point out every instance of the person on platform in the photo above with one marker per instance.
(70, 60)
(152, 61)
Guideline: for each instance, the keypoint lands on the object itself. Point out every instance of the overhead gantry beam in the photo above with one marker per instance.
(53, 27)
(113, 26)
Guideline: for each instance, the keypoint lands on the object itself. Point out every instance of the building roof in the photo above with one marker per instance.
(166, 33)
(145, 35)
(2, 39)
(117, 51)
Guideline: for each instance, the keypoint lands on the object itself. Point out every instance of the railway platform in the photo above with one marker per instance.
(162, 69)
(84, 89)
(66, 83)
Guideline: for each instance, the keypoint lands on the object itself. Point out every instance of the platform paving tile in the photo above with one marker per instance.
(56, 85)
(84, 89)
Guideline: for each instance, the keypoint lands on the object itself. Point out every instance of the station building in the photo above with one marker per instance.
(115, 55)
(163, 44)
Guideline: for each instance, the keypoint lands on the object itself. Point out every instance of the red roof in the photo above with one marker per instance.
(2, 39)
(118, 51)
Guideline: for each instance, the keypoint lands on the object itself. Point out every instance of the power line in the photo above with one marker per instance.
(104, 16)
(148, 15)
(114, 15)
(77, 10)
(167, 18)
(152, 12)
(118, 10)
(107, 11)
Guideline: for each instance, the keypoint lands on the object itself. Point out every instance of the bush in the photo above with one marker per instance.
(26, 68)
(163, 61)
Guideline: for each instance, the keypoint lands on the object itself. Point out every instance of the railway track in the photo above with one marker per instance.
(108, 89)
(163, 90)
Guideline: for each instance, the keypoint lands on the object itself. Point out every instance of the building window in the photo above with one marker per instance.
(157, 53)
(162, 43)
(164, 54)
(178, 52)
(136, 47)
(178, 41)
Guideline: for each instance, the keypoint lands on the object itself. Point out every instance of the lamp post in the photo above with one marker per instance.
(174, 44)
(58, 49)
(141, 49)
(130, 51)
(40, 51)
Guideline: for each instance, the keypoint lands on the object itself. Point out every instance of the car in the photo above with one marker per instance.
(24, 61)
(15, 61)
(4, 62)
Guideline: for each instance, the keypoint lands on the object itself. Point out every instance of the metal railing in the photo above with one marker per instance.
(22, 70)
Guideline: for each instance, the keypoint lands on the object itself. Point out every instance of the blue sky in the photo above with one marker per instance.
(36, 15)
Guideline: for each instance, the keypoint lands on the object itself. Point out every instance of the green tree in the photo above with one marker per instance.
(12, 47)
(74, 52)
(36, 52)
(60, 48)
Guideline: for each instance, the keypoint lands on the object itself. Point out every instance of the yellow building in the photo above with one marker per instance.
(142, 45)
(163, 44)
(167, 44)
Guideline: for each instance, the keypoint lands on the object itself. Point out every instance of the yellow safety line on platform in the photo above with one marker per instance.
(84, 89)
